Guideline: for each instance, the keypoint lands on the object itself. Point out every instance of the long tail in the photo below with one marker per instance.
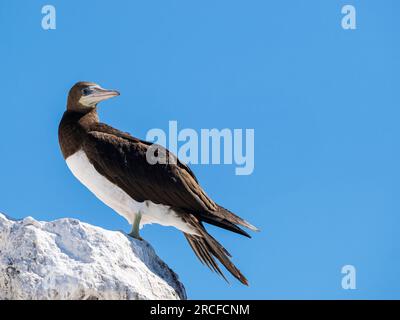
(229, 215)
(226, 219)
(207, 249)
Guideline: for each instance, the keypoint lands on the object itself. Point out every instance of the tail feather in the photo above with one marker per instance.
(207, 249)
(223, 223)
(203, 255)
(233, 218)
(226, 219)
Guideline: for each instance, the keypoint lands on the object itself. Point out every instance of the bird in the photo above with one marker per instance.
(113, 165)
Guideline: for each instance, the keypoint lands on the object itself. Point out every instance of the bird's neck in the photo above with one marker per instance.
(84, 118)
(72, 129)
(89, 118)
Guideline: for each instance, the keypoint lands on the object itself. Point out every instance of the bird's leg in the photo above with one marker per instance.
(135, 227)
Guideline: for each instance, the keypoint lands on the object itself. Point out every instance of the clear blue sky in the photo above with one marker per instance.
(324, 103)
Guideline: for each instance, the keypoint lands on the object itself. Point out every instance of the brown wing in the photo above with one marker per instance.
(122, 159)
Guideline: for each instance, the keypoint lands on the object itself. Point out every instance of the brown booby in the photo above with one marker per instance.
(113, 165)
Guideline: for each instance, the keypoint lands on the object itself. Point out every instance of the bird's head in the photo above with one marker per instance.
(84, 96)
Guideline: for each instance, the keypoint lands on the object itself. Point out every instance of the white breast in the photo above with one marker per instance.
(117, 199)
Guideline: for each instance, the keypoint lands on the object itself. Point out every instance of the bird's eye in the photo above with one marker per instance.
(85, 91)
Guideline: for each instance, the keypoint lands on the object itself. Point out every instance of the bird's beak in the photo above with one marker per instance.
(97, 94)
(100, 94)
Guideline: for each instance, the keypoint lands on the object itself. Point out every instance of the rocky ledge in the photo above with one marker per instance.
(69, 259)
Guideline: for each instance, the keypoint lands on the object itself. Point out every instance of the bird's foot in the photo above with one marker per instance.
(135, 236)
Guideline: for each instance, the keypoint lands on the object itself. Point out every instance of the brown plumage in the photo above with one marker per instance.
(121, 158)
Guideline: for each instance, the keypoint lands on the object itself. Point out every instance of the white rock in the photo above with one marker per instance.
(69, 259)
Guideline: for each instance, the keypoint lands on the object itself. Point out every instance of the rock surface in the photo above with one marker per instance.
(69, 259)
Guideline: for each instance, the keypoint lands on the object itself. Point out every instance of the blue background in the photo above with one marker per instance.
(324, 103)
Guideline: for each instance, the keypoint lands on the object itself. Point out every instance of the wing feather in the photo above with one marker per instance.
(122, 159)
